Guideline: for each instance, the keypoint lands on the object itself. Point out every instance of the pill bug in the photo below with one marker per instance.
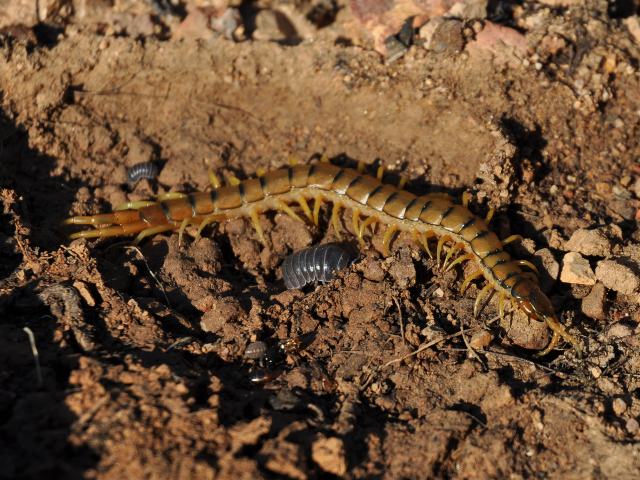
(432, 220)
(317, 264)
(139, 171)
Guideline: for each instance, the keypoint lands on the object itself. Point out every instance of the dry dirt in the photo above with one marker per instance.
(532, 106)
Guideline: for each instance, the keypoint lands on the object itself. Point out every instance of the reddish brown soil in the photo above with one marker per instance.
(141, 349)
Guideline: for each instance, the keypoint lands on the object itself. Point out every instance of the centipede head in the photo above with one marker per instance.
(538, 307)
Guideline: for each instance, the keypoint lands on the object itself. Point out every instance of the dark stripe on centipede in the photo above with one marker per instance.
(312, 170)
(446, 214)
(337, 177)
(426, 205)
(290, 175)
(468, 224)
(409, 206)
(263, 185)
(192, 202)
(354, 182)
(214, 197)
(389, 199)
(241, 192)
(166, 211)
(520, 280)
(374, 191)
(499, 262)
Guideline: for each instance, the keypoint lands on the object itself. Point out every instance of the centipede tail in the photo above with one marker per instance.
(462, 236)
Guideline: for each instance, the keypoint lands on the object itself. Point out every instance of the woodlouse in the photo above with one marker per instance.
(137, 172)
(316, 264)
(426, 217)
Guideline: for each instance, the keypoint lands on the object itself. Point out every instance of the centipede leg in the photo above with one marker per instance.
(134, 205)
(214, 180)
(469, 279)
(170, 196)
(305, 207)
(455, 248)
(355, 223)
(512, 238)
(365, 224)
(483, 293)
(360, 167)
(528, 264)
(206, 221)
(232, 179)
(489, 214)
(317, 203)
(335, 219)
(460, 259)
(559, 332)
(402, 182)
(293, 160)
(386, 239)
(466, 198)
(501, 300)
(147, 232)
(380, 172)
(260, 172)
(441, 243)
(287, 209)
(422, 239)
(255, 221)
(183, 226)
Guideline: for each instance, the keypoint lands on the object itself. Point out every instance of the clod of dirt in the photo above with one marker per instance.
(524, 332)
(619, 406)
(593, 304)
(284, 458)
(402, 270)
(549, 268)
(480, 340)
(576, 269)
(589, 242)
(443, 36)
(329, 454)
(223, 314)
(619, 274)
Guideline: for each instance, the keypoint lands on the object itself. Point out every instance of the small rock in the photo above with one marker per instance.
(593, 304)
(589, 242)
(617, 275)
(329, 454)
(618, 406)
(625, 181)
(480, 340)
(576, 269)
(223, 311)
(403, 271)
(619, 330)
(603, 188)
(548, 266)
(632, 426)
(596, 372)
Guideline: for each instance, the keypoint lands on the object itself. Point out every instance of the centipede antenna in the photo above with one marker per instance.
(483, 293)
(317, 203)
(360, 167)
(214, 179)
(386, 240)
(380, 172)
(335, 220)
(472, 276)
(489, 214)
(466, 198)
(255, 221)
(305, 207)
(289, 211)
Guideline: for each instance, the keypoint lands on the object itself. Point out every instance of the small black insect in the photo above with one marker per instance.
(270, 356)
(148, 170)
(317, 263)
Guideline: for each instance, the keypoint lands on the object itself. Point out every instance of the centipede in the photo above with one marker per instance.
(434, 221)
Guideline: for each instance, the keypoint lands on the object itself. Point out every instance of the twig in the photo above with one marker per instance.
(34, 351)
(153, 275)
(404, 340)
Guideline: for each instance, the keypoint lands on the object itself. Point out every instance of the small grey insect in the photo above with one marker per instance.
(148, 170)
(317, 263)
(255, 350)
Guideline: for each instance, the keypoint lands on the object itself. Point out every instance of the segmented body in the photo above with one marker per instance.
(425, 217)
(137, 172)
(316, 264)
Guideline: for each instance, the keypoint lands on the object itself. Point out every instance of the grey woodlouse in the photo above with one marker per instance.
(137, 172)
(317, 263)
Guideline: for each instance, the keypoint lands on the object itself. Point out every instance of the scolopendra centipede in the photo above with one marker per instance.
(426, 217)
(317, 263)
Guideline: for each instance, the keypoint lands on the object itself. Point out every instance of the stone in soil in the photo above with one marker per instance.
(593, 304)
(589, 242)
(618, 275)
(576, 269)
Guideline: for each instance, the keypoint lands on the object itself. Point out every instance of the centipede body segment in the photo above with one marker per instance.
(464, 236)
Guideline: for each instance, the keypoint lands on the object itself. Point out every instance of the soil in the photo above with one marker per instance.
(534, 107)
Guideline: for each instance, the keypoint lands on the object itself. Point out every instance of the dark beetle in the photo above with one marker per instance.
(148, 170)
(317, 263)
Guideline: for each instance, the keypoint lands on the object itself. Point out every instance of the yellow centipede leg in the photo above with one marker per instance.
(183, 225)
(402, 182)
(253, 215)
(360, 166)
(316, 209)
(386, 239)
(460, 259)
(324, 159)
(559, 332)
(335, 219)
(469, 279)
(171, 196)
(147, 232)
(483, 293)
(365, 224)
(232, 179)
(466, 198)
(489, 214)
(501, 299)
(528, 264)
(422, 239)
(555, 339)
(355, 221)
(214, 180)
(134, 205)
(380, 172)
(260, 172)
(441, 243)
(293, 160)
(287, 209)
(206, 221)
(512, 238)
(305, 207)
(455, 248)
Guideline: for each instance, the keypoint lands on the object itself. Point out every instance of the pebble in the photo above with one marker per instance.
(616, 275)
(576, 269)
(329, 454)
(545, 259)
(618, 406)
(593, 304)
(619, 330)
(480, 340)
(589, 242)
(632, 426)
